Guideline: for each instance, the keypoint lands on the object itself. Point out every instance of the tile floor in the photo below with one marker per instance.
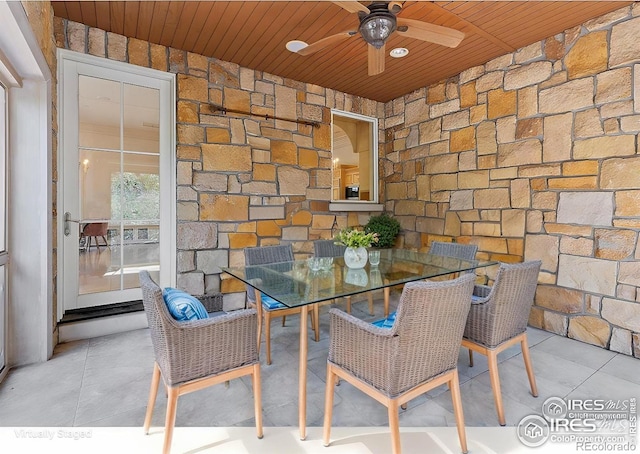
(104, 382)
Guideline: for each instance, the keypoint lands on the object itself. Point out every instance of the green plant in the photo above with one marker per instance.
(356, 238)
(386, 227)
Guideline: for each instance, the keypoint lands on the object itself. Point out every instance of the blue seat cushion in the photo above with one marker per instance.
(475, 298)
(386, 322)
(182, 306)
(270, 303)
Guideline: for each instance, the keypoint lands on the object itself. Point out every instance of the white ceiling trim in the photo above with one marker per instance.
(19, 46)
(8, 75)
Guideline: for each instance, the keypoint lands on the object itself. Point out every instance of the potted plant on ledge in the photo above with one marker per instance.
(356, 241)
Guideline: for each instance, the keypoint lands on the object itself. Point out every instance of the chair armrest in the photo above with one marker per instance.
(212, 303)
(481, 294)
(210, 346)
(251, 290)
(480, 321)
(363, 349)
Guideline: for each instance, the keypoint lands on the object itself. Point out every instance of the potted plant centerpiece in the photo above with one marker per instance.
(356, 241)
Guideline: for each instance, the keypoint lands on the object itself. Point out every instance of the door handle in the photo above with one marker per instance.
(67, 219)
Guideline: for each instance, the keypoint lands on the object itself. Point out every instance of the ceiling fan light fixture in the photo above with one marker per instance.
(399, 52)
(296, 45)
(376, 28)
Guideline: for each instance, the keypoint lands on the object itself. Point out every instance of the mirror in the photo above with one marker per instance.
(354, 149)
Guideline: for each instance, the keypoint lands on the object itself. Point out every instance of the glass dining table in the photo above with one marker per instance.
(295, 284)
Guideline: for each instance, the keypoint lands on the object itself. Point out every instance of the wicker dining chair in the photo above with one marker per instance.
(328, 248)
(418, 353)
(457, 250)
(498, 319)
(192, 355)
(270, 255)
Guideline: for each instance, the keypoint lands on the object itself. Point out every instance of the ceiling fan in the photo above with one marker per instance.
(377, 22)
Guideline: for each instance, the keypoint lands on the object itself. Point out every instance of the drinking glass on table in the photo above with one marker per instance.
(374, 257)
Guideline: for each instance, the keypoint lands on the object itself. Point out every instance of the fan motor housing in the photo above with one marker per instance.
(377, 26)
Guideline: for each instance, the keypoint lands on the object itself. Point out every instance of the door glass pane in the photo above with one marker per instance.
(98, 113)
(99, 261)
(96, 169)
(141, 119)
(140, 194)
(119, 184)
(99, 265)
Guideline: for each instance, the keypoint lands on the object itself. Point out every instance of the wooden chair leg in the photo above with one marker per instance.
(470, 358)
(260, 311)
(394, 426)
(257, 398)
(153, 392)
(386, 301)
(267, 334)
(370, 296)
(454, 386)
(492, 358)
(524, 344)
(170, 422)
(316, 321)
(284, 320)
(348, 304)
(328, 404)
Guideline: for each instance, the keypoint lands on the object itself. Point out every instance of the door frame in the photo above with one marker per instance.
(29, 279)
(167, 163)
(4, 255)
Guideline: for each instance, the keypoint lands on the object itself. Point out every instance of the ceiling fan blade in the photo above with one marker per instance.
(395, 7)
(376, 60)
(325, 42)
(353, 7)
(425, 31)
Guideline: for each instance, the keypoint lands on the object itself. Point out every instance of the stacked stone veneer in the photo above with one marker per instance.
(242, 180)
(534, 155)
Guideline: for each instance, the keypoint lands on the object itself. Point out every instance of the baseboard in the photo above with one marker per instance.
(102, 326)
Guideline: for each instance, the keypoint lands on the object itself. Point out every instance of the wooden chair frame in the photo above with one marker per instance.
(173, 392)
(492, 360)
(335, 373)
(265, 316)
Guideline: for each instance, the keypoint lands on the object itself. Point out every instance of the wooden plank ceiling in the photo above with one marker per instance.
(254, 34)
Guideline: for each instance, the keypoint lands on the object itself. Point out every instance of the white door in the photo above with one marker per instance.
(117, 163)
(3, 219)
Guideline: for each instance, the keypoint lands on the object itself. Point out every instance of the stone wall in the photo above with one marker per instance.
(242, 180)
(534, 155)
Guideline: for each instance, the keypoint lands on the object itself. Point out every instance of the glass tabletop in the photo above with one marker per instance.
(295, 284)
